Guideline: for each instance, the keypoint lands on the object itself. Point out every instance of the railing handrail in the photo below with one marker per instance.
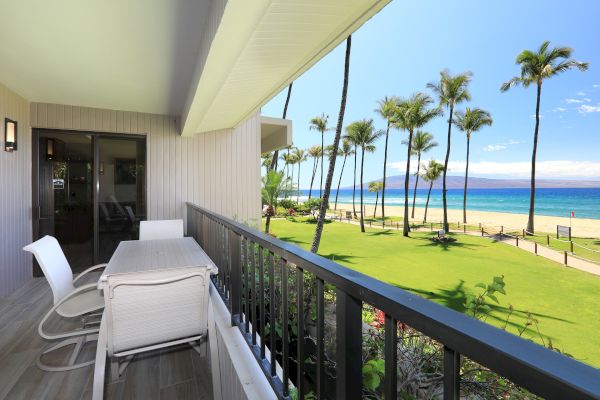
(540, 370)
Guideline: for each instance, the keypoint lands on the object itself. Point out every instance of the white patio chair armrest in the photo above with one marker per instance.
(100, 365)
(151, 282)
(90, 269)
(81, 289)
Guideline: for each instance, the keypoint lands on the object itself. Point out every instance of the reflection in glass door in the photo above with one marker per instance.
(89, 191)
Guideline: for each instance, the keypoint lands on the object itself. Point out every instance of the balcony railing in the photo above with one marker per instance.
(270, 309)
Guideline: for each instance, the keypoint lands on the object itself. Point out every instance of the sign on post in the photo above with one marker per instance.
(564, 231)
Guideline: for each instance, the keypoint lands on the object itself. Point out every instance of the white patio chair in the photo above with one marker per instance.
(161, 229)
(149, 311)
(69, 301)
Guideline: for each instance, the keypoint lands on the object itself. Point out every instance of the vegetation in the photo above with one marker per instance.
(375, 187)
(319, 124)
(432, 173)
(422, 143)
(537, 66)
(273, 184)
(275, 156)
(345, 150)
(386, 108)
(315, 152)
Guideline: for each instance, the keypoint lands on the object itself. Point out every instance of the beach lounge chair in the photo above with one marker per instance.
(69, 301)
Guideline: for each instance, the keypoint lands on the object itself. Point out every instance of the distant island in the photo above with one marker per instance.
(457, 182)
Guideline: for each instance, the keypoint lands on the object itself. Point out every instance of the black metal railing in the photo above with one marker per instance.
(247, 259)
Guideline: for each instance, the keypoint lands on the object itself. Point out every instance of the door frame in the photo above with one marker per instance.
(95, 135)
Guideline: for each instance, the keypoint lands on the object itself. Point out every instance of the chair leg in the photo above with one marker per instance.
(78, 342)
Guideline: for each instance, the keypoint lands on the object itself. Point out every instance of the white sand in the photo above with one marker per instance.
(582, 227)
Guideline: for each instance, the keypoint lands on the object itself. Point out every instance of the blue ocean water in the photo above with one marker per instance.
(585, 202)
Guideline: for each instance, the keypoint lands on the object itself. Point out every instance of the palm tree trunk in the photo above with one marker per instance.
(340, 182)
(322, 154)
(427, 203)
(446, 226)
(376, 199)
(298, 197)
(354, 188)
(336, 143)
(387, 134)
(416, 183)
(285, 108)
(530, 227)
(268, 223)
(466, 179)
(362, 167)
(315, 163)
(406, 226)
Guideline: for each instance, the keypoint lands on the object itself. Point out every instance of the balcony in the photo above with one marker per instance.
(265, 282)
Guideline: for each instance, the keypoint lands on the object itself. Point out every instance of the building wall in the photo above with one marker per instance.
(15, 194)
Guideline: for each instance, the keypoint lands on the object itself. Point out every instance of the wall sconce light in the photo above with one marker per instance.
(10, 135)
(50, 151)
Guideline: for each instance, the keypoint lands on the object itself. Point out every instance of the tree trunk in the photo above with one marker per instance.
(354, 188)
(530, 227)
(446, 226)
(336, 143)
(362, 210)
(387, 134)
(340, 182)
(268, 223)
(285, 108)
(322, 155)
(406, 225)
(466, 179)
(298, 197)
(416, 183)
(376, 199)
(427, 203)
(315, 163)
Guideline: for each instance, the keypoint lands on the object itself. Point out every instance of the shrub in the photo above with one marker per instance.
(288, 203)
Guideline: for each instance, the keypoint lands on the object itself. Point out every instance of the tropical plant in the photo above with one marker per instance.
(273, 184)
(346, 150)
(469, 121)
(422, 143)
(537, 66)
(375, 187)
(266, 160)
(451, 90)
(319, 124)
(315, 152)
(412, 114)
(386, 109)
(363, 134)
(285, 108)
(300, 156)
(432, 173)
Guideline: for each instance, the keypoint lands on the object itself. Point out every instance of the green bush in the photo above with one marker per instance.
(314, 203)
(288, 203)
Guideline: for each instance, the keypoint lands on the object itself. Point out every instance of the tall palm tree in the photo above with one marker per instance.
(432, 173)
(350, 137)
(364, 134)
(315, 152)
(285, 108)
(386, 108)
(336, 142)
(375, 187)
(537, 66)
(422, 143)
(451, 90)
(412, 114)
(346, 150)
(319, 123)
(469, 121)
(300, 156)
(273, 184)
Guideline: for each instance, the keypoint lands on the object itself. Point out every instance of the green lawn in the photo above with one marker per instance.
(563, 300)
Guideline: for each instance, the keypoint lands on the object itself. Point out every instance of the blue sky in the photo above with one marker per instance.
(406, 45)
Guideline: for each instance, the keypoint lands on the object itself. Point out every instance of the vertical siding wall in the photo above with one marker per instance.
(15, 195)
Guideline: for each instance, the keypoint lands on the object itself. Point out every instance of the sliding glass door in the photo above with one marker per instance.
(88, 191)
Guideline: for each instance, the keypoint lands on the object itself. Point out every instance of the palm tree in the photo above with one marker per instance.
(422, 143)
(375, 187)
(346, 150)
(469, 121)
(350, 137)
(386, 108)
(300, 156)
(536, 66)
(320, 124)
(432, 173)
(315, 152)
(273, 184)
(285, 108)
(412, 114)
(451, 91)
(364, 134)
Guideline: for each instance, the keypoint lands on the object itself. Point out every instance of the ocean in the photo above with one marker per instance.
(585, 202)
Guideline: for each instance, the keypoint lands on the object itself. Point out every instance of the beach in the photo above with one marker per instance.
(581, 227)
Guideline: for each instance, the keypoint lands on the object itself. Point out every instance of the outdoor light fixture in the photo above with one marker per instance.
(10, 135)
(49, 149)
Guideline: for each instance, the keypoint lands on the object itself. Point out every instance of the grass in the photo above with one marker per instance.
(561, 245)
(563, 300)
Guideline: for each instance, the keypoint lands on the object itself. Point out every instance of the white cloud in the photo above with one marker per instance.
(595, 86)
(520, 169)
(584, 108)
(512, 142)
(532, 116)
(580, 93)
(494, 147)
(559, 109)
(578, 101)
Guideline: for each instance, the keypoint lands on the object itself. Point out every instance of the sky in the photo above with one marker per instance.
(407, 44)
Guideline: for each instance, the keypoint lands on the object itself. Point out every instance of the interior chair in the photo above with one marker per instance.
(85, 302)
(149, 311)
(161, 229)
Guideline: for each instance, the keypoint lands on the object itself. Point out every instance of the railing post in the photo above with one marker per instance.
(235, 268)
(348, 346)
(548, 240)
(535, 245)
(451, 374)
(566, 258)
(572, 247)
